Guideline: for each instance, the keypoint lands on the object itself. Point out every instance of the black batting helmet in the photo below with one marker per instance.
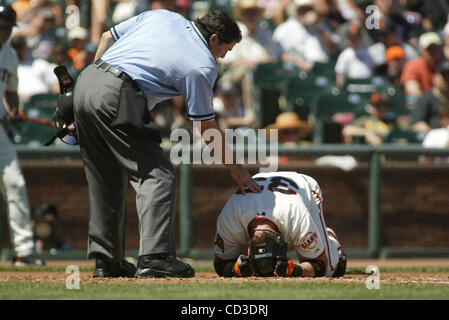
(7, 16)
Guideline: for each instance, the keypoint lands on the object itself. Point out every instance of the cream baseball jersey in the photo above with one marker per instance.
(293, 202)
(8, 74)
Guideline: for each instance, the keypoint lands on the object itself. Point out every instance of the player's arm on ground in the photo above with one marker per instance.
(237, 171)
(310, 268)
(237, 267)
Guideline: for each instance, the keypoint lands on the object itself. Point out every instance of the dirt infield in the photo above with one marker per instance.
(404, 278)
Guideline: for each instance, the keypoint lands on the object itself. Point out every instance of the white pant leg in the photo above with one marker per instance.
(13, 189)
(331, 245)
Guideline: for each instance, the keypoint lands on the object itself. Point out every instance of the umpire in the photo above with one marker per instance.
(140, 62)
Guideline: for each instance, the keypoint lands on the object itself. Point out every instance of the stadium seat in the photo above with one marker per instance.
(42, 105)
(303, 89)
(402, 136)
(324, 109)
(324, 69)
(270, 82)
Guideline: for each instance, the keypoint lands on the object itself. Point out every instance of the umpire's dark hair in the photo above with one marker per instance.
(221, 24)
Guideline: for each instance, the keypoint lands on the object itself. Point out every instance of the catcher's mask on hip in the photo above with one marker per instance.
(265, 251)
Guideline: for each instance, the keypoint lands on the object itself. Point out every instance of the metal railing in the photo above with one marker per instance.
(373, 154)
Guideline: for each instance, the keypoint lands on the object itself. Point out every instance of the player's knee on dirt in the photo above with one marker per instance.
(341, 266)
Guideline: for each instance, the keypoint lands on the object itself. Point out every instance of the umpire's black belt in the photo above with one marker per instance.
(117, 73)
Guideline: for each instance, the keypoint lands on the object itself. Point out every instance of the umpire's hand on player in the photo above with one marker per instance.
(243, 178)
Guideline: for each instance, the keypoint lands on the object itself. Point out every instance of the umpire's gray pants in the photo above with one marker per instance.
(112, 158)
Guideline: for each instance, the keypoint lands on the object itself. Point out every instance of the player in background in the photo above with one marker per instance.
(255, 232)
(12, 182)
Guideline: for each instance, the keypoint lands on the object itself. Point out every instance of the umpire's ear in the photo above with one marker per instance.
(214, 39)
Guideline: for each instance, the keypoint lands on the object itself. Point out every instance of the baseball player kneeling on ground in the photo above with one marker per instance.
(255, 231)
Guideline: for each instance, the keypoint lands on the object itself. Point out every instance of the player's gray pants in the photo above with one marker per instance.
(111, 159)
(13, 190)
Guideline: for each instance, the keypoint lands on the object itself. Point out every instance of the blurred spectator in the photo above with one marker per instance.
(37, 33)
(395, 58)
(349, 8)
(291, 132)
(332, 11)
(403, 28)
(359, 20)
(228, 107)
(79, 54)
(271, 8)
(388, 37)
(35, 75)
(25, 10)
(439, 137)
(305, 39)
(446, 41)
(430, 15)
(256, 47)
(329, 12)
(374, 127)
(48, 229)
(98, 18)
(58, 56)
(124, 10)
(354, 62)
(184, 8)
(282, 11)
(291, 129)
(143, 5)
(425, 114)
(417, 75)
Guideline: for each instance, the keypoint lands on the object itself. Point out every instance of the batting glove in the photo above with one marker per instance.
(243, 267)
(286, 268)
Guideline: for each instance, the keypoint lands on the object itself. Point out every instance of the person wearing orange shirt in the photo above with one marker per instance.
(78, 53)
(418, 73)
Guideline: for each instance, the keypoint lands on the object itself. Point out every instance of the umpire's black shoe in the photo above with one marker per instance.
(105, 268)
(163, 266)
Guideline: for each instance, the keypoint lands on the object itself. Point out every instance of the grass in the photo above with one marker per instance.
(282, 290)
(225, 291)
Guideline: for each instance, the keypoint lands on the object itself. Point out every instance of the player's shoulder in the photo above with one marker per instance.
(288, 25)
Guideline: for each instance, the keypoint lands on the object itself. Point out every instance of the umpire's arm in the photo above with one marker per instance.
(105, 43)
(237, 171)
